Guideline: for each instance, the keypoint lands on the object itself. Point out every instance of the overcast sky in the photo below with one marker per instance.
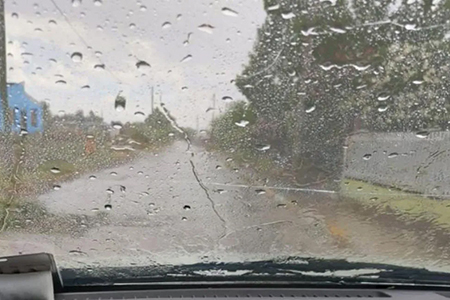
(118, 34)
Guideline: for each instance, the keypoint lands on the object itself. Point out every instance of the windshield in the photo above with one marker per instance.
(146, 133)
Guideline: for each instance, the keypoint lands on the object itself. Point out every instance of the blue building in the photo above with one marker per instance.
(25, 112)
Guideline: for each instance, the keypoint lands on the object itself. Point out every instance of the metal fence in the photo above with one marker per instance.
(403, 160)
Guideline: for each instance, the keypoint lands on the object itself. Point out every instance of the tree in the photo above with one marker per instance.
(317, 66)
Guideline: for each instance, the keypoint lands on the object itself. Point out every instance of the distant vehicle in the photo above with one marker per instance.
(26, 113)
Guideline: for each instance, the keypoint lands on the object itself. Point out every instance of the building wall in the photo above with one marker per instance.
(21, 105)
(401, 160)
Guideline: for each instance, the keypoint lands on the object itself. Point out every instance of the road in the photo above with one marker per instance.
(183, 206)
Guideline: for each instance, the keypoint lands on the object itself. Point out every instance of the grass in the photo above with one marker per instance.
(405, 205)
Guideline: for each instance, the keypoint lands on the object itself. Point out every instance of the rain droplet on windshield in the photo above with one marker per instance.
(242, 123)
(76, 57)
(92, 177)
(367, 156)
(393, 154)
(56, 187)
(227, 98)
(422, 134)
(120, 103)
(186, 207)
(288, 15)
(382, 108)
(143, 66)
(310, 109)
(99, 67)
(14, 15)
(109, 191)
(117, 125)
(60, 82)
(263, 147)
(55, 170)
(206, 28)
(108, 206)
(186, 58)
(76, 3)
(260, 192)
(229, 12)
(166, 25)
(98, 2)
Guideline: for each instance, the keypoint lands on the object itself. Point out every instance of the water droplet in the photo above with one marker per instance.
(139, 114)
(98, 53)
(367, 156)
(338, 30)
(166, 25)
(143, 8)
(186, 207)
(109, 191)
(60, 82)
(417, 82)
(143, 66)
(273, 7)
(186, 58)
(117, 125)
(422, 134)
(221, 191)
(99, 67)
(393, 154)
(310, 109)
(183, 219)
(14, 15)
(288, 15)
(98, 2)
(242, 123)
(262, 147)
(206, 28)
(120, 103)
(227, 98)
(55, 170)
(260, 192)
(383, 97)
(281, 205)
(113, 173)
(218, 167)
(123, 188)
(85, 87)
(184, 88)
(382, 108)
(229, 159)
(411, 27)
(77, 57)
(76, 3)
(108, 206)
(92, 177)
(52, 23)
(56, 187)
(229, 12)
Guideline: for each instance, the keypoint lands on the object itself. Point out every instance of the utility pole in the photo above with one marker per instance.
(153, 100)
(214, 107)
(3, 80)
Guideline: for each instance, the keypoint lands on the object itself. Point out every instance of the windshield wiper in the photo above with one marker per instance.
(294, 270)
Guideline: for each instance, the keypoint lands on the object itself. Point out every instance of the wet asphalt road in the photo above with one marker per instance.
(181, 207)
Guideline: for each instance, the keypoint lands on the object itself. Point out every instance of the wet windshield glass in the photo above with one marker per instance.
(137, 133)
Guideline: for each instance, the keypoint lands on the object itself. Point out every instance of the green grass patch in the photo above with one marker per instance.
(405, 205)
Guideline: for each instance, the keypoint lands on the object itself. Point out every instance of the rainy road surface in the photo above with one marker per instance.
(183, 207)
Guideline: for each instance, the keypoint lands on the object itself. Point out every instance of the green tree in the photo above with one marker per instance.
(318, 66)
